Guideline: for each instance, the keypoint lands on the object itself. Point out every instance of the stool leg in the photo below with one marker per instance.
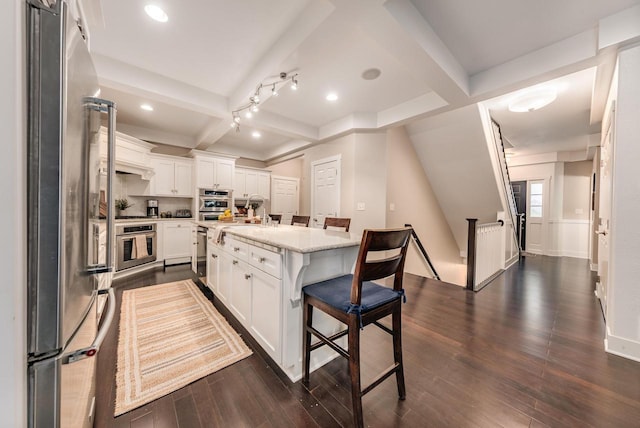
(354, 370)
(307, 321)
(397, 349)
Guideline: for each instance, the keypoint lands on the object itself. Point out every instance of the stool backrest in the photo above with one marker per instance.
(378, 268)
(337, 222)
(276, 217)
(300, 220)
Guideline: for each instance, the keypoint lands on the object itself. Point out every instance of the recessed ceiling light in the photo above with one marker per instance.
(146, 107)
(532, 99)
(248, 114)
(156, 13)
(371, 74)
(332, 96)
(256, 134)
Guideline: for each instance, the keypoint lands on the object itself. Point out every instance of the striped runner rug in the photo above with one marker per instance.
(170, 336)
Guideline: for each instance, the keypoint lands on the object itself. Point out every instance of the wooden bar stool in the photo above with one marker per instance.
(356, 301)
(300, 220)
(337, 222)
(276, 217)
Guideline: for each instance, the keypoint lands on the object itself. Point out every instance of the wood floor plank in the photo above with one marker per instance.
(186, 412)
(525, 351)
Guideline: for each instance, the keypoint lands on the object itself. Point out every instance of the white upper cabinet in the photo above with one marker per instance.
(205, 172)
(214, 173)
(132, 155)
(264, 184)
(173, 176)
(224, 173)
(251, 182)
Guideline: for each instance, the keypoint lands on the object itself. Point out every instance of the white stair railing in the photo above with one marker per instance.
(485, 253)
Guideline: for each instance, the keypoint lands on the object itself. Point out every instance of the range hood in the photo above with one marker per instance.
(145, 172)
(130, 168)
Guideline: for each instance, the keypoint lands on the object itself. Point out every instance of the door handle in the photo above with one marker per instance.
(92, 350)
(109, 107)
(601, 232)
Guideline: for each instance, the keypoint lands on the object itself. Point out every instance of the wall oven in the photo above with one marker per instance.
(214, 202)
(135, 245)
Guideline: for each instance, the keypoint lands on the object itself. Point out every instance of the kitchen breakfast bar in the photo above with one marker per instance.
(258, 272)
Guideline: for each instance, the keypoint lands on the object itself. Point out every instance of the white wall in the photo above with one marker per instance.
(288, 168)
(576, 203)
(415, 202)
(562, 236)
(623, 295)
(452, 148)
(12, 220)
(370, 182)
(363, 176)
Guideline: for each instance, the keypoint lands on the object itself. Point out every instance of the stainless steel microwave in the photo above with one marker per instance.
(216, 193)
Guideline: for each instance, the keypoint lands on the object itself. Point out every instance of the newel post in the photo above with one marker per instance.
(471, 253)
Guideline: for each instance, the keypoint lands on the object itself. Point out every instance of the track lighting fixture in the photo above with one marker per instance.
(254, 100)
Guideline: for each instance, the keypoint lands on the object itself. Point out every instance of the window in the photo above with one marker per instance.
(535, 200)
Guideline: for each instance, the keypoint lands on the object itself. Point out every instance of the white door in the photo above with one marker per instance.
(606, 168)
(284, 198)
(325, 191)
(536, 212)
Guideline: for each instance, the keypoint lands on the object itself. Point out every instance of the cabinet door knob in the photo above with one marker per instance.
(235, 262)
(214, 256)
(236, 249)
(261, 259)
(247, 275)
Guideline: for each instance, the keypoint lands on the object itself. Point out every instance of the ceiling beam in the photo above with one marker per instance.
(137, 81)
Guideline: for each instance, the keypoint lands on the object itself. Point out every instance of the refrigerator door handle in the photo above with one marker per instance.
(92, 350)
(109, 107)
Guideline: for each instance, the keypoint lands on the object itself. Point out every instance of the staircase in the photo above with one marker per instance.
(462, 154)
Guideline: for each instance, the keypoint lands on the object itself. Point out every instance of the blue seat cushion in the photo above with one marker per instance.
(337, 293)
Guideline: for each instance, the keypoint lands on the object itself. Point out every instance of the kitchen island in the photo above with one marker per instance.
(258, 273)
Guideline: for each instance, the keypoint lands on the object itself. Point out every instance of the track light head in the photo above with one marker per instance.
(254, 100)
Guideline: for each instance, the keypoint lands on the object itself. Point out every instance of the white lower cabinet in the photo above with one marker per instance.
(176, 242)
(213, 258)
(249, 284)
(265, 312)
(240, 299)
(224, 278)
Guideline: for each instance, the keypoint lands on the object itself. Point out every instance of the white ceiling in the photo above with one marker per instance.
(434, 55)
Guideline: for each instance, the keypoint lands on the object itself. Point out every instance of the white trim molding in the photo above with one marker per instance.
(568, 238)
(622, 347)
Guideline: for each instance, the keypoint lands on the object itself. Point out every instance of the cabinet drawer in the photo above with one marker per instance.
(265, 260)
(236, 248)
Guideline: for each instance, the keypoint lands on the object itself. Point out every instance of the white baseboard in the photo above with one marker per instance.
(622, 347)
(576, 254)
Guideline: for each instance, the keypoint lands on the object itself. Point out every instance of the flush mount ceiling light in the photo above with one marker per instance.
(254, 100)
(332, 96)
(146, 107)
(256, 134)
(532, 99)
(156, 13)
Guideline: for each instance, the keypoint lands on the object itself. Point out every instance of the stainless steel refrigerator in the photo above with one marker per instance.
(69, 238)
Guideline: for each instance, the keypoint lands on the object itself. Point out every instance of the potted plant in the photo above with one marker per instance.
(121, 205)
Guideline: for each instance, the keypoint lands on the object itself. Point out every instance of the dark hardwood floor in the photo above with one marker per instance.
(526, 351)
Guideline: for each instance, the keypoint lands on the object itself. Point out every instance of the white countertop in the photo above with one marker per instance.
(294, 238)
(149, 220)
